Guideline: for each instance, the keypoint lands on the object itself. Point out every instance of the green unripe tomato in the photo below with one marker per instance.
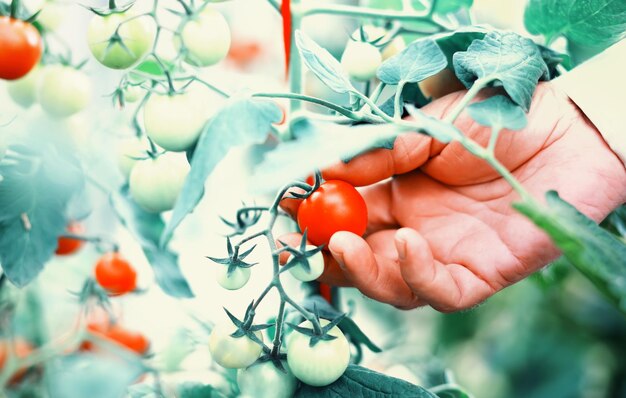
(206, 37)
(361, 60)
(264, 380)
(233, 352)
(316, 267)
(156, 183)
(236, 280)
(321, 364)
(24, 91)
(174, 122)
(64, 91)
(127, 152)
(135, 34)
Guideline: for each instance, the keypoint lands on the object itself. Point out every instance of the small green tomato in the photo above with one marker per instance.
(316, 267)
(233, 352)
(206, 37)
(64, 91)
(361, 60)
(128, 151)
(264, 380)
(24, 91)
(156, 183)
(233, 281)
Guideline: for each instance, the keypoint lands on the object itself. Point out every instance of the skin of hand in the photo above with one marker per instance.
(442, 231)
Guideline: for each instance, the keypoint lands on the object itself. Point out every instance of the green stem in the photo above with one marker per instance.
(301, 97)
(471, 93)
(495, 133)
(112, 5)
(279, 328)
(377, 92)
(397, 104)
(211, 87)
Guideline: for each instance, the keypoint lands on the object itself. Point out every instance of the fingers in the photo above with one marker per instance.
(447, 288)
(375, 275)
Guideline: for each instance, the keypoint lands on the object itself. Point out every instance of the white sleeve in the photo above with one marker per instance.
(598, 87)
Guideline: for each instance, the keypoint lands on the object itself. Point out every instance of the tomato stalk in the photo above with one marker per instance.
(15, 8)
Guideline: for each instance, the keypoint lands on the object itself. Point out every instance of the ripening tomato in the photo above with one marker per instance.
(206, 37)
(115, 274)
(135, 39)
(64, 90)
(134, 341)
(321, 364)
(66, 246)
(156, 183)
(22, 348)
(20, 48)
(335, 206)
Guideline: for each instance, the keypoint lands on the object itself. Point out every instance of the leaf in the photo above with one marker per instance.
(148, 67)
(147, 229)
(364, 383)
(243, 121)
(90, 375)
(198, 390)
(323, 65)
(420, 60)
(554, 59)
(584, 22)
(509, 58)
(459, 40)
(411, 94)
(450, 391)
(498, 112)
(448, 6)
(35, 193)
(594, 251)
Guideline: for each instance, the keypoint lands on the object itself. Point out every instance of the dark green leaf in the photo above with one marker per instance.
(323, 65)
(459, 40)
(243, 121)
(448, 6)
(594, 251)
(147, 229)
(554, 59)
(585, 22)
(450, 391)
(197, 390)
(411, 94)
(364, 383)
(420, 60)
(509, 58)
(498, 112)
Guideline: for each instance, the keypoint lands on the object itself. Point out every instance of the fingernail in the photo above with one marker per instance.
(401, 247)
(339, 257)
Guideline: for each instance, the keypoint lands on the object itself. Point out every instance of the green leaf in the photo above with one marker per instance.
(498, 112)
(243, 121)
(459, 40)
(364, 383)
(420, 60)
(594, 251)
(147, 229)
(35, 192)
(585, 22)
(509, 58)
(448, 6)
(450, 391)
(90, 375)
(553, 59)
(151, 68)
(411, 94)
(323, 64)
(197, 390)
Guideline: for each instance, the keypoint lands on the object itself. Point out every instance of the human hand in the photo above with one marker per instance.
(442, 231)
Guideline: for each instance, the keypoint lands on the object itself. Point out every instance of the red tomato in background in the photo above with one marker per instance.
(20, 48)
(66, 246)
(22, 349)
(115, 274)
(244, 53)
(335, 206)
(134, 341)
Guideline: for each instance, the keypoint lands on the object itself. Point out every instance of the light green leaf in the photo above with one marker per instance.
(498, 112)
(509, 58)
(323, 64)
(243, 121)
(594, 251)
(585, 22)
(147, 229)
(448, 6)
(364, 383)
(420, 60)
(450, 391)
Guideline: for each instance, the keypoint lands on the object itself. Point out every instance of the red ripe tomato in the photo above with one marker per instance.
(335, 206)
(20, 48)
(134, 341)
(115, 274)
(22, 349)
(243, 53)
(68, 246)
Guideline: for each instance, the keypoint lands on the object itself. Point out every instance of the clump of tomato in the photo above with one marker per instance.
(116, 333)
(20, 48)
(67, 246)
(21, 348)
(335, 206)
(115, 274)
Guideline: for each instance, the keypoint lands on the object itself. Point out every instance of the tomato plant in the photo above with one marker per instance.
(20, 47)
(64, 90)
(234, 352)
(335, 206)
(115, 274)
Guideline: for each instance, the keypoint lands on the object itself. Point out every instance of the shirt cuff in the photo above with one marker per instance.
(598, 88)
